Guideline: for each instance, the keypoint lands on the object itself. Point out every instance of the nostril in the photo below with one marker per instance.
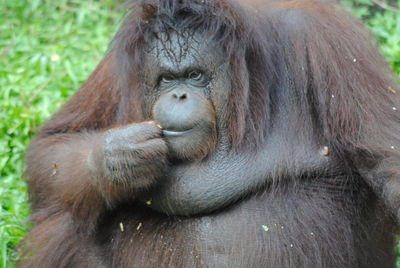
(180, 97)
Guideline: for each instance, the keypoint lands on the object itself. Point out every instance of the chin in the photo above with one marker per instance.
(189, 144)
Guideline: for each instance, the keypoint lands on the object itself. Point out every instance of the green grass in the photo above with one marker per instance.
(47, 49)
(384, 24)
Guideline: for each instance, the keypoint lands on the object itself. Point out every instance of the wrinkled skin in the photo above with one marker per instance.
(135, 154)
(183, 87)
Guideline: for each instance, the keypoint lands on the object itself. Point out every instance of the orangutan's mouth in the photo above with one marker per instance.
(175, 133)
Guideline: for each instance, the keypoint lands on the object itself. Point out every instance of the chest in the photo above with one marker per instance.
(299, 227)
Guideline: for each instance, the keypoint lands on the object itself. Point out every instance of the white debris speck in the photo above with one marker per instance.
(291, 245)
(265, 228)
(354, 60)
(392, 147)
(333, 96)
(148, 202)
(121, 226)
(324, 151)
(139, 226)
(394, 108)
(55, 169)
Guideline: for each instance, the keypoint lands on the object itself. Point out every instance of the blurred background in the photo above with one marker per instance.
(48, 48)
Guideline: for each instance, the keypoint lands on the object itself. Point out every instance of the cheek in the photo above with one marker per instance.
(148, 100)
(220, 94)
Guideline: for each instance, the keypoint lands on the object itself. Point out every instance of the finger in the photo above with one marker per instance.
(151, 148)
(146, 149)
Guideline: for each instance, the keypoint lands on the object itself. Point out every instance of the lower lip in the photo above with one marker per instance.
(170, 133)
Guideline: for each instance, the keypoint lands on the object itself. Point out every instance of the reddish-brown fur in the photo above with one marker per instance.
(340, 85)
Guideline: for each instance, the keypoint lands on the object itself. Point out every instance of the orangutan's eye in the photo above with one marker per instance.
(195, 75)
(167, 78)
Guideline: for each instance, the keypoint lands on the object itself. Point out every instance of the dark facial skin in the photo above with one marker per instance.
(186, 81)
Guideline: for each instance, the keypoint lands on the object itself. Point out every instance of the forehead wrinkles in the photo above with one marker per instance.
(177, 47)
